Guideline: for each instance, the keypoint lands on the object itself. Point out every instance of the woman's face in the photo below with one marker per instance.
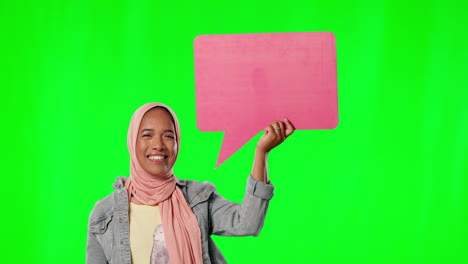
(156, 145)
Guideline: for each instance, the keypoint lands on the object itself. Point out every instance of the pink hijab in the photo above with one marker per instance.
(181, 230)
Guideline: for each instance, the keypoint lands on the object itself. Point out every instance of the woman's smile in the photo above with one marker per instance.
(157, 158)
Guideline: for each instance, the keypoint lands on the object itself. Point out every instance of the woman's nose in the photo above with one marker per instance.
(157, 143)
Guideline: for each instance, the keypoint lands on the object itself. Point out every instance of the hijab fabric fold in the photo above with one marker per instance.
(181, 230)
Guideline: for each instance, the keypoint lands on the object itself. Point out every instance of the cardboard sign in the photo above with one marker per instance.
(246, 81)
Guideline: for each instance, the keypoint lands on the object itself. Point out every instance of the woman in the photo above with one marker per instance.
(153, 217)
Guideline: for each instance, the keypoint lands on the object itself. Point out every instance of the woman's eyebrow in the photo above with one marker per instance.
(151, 130)
(147, 129)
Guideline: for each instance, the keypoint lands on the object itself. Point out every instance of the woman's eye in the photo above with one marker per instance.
(169, 136)
(146, 135)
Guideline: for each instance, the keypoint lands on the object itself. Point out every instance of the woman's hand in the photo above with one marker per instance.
(274, 135)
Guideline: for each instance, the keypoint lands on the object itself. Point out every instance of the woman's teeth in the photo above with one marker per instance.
(156, 157)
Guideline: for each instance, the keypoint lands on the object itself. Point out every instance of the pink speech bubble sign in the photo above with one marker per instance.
(245, 81)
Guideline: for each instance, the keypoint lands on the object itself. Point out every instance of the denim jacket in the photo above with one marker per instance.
(108, 228)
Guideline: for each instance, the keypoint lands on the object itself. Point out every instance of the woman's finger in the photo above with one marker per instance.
(278, 127)
(289, 127)
(283, 130)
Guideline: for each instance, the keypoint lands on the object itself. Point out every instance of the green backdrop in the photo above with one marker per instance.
(388, 185)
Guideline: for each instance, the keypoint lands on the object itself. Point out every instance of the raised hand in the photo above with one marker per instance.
(275, 134)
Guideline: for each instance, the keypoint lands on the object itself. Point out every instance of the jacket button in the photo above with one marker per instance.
(205, 256)
(203, 195)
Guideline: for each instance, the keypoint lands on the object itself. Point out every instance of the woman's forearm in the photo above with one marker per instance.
(259, 168)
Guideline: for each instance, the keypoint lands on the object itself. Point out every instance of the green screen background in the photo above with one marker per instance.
(388, 185)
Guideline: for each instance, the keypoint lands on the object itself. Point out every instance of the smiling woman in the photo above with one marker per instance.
(154, 217)
(156, 145)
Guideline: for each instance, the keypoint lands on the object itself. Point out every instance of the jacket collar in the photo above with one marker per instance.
(120, 182)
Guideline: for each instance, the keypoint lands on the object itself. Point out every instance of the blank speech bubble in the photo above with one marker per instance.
(246, 81)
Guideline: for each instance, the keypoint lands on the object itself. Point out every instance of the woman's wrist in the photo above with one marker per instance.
(260, 151)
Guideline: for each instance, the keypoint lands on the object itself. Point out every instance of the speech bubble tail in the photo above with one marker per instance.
(232, 142)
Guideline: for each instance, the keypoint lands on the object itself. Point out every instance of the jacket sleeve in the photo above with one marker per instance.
(246, 219)
(94, 252)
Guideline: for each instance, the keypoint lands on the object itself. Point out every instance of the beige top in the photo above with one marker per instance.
(143, 221)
